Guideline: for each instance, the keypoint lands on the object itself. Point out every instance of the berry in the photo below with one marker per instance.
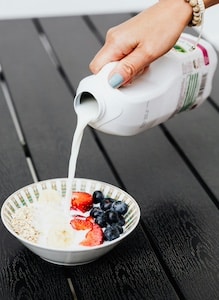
(120, 228)
(101, 219)
(90, 218)
(81, 201)
(120, 206)
(96, 211)
(97, 197)
(121, 221)
(94, 237)
(106, 203)
(111, 233)
(112, 216)
(81, 223)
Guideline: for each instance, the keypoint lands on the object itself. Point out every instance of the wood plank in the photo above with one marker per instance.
(75, 48)
(129, 271)
(79, 45)
(104, 22)
(14, 170)
(178, 214)
(197, 134)
(45, 106)
(215, 87)
(22, 274)
(180, 218)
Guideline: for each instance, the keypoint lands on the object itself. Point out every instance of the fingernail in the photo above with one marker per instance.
(116, 80)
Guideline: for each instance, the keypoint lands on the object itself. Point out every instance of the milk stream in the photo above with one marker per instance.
(87, 111)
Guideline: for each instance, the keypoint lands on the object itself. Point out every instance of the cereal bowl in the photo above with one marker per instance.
(28, 198)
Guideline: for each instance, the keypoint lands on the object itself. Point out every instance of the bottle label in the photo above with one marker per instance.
(194, 80)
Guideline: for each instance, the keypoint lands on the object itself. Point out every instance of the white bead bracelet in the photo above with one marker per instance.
(198, 9)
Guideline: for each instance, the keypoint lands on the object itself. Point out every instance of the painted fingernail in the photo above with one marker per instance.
(116, 80)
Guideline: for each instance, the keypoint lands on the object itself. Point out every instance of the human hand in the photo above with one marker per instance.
(142, 39)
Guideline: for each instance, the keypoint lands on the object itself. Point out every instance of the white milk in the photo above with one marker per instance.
(86, 112)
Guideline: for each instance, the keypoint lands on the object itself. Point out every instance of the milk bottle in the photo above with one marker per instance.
(178, 81)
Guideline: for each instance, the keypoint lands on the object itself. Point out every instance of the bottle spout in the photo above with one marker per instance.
(86, 104)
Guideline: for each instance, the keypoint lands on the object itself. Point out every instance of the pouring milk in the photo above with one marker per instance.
(85, 114)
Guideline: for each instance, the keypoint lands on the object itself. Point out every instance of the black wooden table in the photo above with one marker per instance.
(171, 170)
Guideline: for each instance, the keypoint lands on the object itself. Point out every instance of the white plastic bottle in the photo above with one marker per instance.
(178, 81)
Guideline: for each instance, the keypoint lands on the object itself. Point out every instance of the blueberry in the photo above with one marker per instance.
(111, 233)
(95, 211)
(97, 197)
(120, 206)
(121, 221)
(118, 226)
(112, 216)
(106, 203)
(101, 220)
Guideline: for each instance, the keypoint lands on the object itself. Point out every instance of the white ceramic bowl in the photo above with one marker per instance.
(29, 195)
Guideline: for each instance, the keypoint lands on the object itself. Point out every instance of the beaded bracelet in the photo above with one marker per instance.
(198, 9)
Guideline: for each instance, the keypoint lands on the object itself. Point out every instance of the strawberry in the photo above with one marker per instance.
(81, 223)
(91, 219)
(94, 237)
(81, 201)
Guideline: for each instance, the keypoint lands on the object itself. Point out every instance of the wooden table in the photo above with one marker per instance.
(171, 170)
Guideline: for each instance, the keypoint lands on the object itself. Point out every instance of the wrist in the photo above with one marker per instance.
(178, 9)
(191, 11)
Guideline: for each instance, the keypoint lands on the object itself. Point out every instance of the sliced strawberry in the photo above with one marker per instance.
(81, 201)
(91, 219)
(94, 237)
(81, 223)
